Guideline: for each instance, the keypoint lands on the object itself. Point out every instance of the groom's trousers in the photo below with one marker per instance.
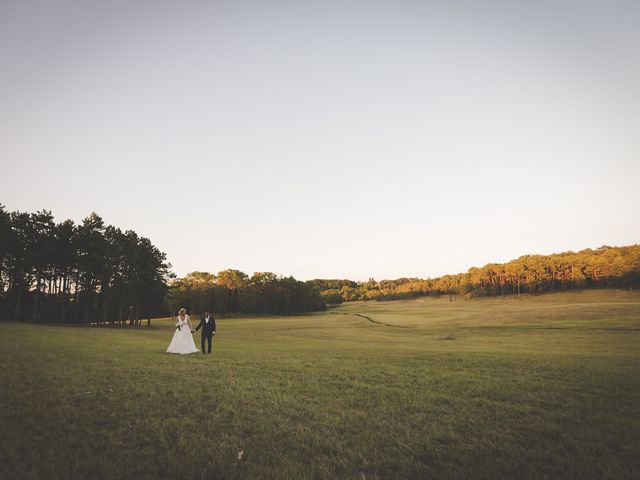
(209, 339)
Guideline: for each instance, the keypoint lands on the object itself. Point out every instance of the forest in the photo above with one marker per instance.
(603, 267)
(77, 273)
(234, 292)
(96, 273)
(93, 273)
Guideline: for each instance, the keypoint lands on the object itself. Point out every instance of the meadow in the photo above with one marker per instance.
(528, 387)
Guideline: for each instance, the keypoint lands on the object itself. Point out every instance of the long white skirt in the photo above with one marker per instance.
(182, 342)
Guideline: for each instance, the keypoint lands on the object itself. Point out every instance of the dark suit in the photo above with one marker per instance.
(208, 331)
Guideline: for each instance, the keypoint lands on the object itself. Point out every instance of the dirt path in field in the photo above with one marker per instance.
(377, 322)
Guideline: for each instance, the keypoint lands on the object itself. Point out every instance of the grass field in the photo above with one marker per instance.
(538, 387)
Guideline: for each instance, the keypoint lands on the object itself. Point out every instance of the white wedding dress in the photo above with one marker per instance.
(182, 341)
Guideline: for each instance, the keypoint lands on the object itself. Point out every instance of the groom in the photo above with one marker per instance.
(208, 324)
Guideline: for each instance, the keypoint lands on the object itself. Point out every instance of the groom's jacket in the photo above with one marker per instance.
(207, 327)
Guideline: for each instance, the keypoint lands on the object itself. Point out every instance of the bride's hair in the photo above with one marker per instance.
(182, 310)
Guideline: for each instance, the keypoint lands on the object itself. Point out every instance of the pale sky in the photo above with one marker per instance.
(328, 139)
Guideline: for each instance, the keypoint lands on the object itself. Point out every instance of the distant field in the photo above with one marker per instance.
(531, 387)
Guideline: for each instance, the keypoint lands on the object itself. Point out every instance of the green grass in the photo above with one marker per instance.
(538, 387)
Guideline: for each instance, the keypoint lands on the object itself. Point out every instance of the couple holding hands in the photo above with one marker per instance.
(182, 341)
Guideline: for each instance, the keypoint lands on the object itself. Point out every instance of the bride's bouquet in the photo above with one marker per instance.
(178, 325)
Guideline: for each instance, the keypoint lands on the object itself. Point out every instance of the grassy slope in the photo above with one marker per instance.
(529, 388)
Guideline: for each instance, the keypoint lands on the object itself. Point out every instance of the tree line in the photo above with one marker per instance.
(530, 274)
(96, 273)
(234, 292)
(93, 273)
(77, 273)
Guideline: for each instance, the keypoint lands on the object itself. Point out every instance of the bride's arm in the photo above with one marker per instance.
(189, 322)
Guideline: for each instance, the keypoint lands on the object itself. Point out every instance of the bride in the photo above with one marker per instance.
(182, 341)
